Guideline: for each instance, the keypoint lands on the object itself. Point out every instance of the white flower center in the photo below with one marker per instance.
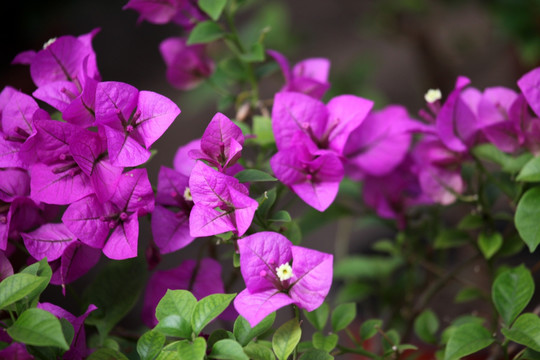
(48, 43)
(284, 272)
(187, 194)
(433, 95)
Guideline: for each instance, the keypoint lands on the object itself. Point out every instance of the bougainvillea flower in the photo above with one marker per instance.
(76, 260)
(132, 120)
(206, 281)
(77, 349)
(185, 13)
(309, 76)
(113, 226)
(49, 240)
(380, 143)
(15, 351)
(221, 143)
(6, 269)
(273, 282)
(170, 219)
(14, 182)
(529, 84)
(183, 163)
(187, 65)
(61, 59)
(325, 126)
(313, 176)
(221, 203)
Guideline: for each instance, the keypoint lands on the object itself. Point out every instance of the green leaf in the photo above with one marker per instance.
(107, 354)
(426, 325)
(67, 330)
(205, 32)
(258, 352)
(471, 222)
(461, 320)
(326, 343)
(468, 294)
(369, 328)
(209, 308)
(228, 349)
(530, 354)
(217, 335)
(150, 344)
(38, 327)
(390, 340)
(449, 238)
(244, 333)
(315, 354)
(286, 338)
(195, 350)
(262, 129)
(525, 331)
(467, 339)
(512, 290)
(174, 313)
(253, 175)
(255, 53)
(169, 355)
(266, 201)
(531, 171)
(371, 267)
(508, 163)
(114, 291)
(490, 243)
(213, 8)
(342, 316)
(293, 232)
(17, 286)
(527, 215)
(280, 216)
(319, 316)
(43, 270)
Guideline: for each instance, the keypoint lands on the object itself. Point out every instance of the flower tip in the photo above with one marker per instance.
(433, 95)
(49, 43)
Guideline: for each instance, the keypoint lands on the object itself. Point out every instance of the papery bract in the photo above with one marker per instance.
(529, 85)
(183, 163)
(201, 279)
(267, 289)
(49, 240)
(221, 203)
(132, 120)
(6, 269)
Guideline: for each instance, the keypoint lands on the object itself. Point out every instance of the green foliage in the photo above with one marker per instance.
(19, 286)
(319, 316)
(258, 352)
(426, 326)
(228, 349)
(244, 333)
(368, 329)
(286, 338)
(467, 339)
(107, 354)
(213, 8)
(325, 343)
(40, 328)
(205, 32)
(195, 350)
(342, 316)
(525, 331)
(531, 171)
(150, 344)
(366, 267)
(174, 313)
(262, 129)
(208, 308)
(315, 354)
(512, 290)
(253, 175)
(489, 243)
(527, 215)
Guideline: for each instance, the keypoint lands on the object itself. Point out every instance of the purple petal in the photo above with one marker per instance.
(85, 219)
(125, 149)
(260, 255)
(49, 240)
(13, 183)
(283, 64)
(441, 184)
(295, 113)
(5, 266)
(17, 115)
(49, 143)
(529, 85)
(15, 351)
(77, 259)
(114, 101)
(134, 193)
(10, 154)
(170, 230)
(182, 162)
(154, 11)
(206, 221)
(24, 58)
(157, 114)
(312, 277)
(209, 187)
(447, 123)
(171, 185)
(122, 244)
(346, 113)
(57, 94)
(61, 183)
(244, 210)
(222, 140)
(313, 68)
(256, 306)
(81, 111)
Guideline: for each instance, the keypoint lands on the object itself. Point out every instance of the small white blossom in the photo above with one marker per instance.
(187, 194)
(284, 272)
(433, 95)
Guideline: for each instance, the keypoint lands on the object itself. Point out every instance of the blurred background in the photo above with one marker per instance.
(388, 51)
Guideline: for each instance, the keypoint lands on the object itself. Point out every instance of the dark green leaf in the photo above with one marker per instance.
(244, 333)
(67, 330)
(233, 68)
(467, 339)
(471, 222)
(228, 349)
(107, 354)
(369, 328)
(293, 232)
(281, 216)
(342, 316)
(489, 243)
(150, 344)
(258, 352)
(370, 267)
(527, 215)
(512, 290)
(530, 354)
(426, 326)
(508, 163)
(255, 53)
(114, 291)
(212, 7)
(286, 338)
(390, 340)
(17, 286)
(525, 331)
(174, 313)
(315, 354)
(326, 343)
(195, 350)
(266, 201)
(205, 32)
(531, 171)
(449, 238)
(253, 175)
(319, 316)
(217, 335)
(38, 327)
(468, 294)
(208, 308)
